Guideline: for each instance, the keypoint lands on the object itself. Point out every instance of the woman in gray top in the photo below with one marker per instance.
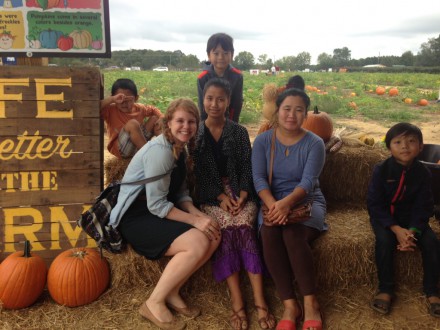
(159, 219)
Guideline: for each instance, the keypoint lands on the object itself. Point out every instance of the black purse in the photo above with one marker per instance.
(95, 220)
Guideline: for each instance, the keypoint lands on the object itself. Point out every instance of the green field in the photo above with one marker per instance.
(333, 94)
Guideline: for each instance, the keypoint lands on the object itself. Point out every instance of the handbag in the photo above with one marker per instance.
(95, 220)
(298, 212)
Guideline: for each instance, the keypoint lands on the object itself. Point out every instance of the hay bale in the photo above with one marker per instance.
(114, 168)
(131, 269)
(346, 173)
(344, 256)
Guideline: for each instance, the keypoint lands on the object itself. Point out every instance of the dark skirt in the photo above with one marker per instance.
(148, 234)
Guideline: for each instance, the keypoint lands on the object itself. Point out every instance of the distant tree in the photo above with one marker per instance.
(429, 54)
(264, 62)
(286, 63)
(302, 61)
(325, 61)
(244, 61)
(341, 57)
(188, 62)
(407, 58)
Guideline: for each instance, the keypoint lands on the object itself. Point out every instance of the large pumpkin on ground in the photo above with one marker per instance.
(78, 277)
(422, 102)
(380, 90)
(320, 123)
(81, 38)
(393, 91)
(22, 279)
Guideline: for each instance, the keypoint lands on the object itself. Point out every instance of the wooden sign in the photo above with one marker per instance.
(54, 28)
(51, 156)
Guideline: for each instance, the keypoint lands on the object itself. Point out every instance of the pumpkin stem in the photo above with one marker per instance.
(315, 110)
(27, 249)
(79, 254)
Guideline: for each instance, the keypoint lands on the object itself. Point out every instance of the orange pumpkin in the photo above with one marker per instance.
(380, 90)
(393, 92)
(352, 105)
(423, 102)
(22, 279)
(320, 123)
(407, 100)
(81, 38)
(78, 277)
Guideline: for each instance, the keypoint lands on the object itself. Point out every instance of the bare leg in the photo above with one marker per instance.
(237, 303)
(258, 292)
(133, 128)
(174, 295)
(189, 251)
(292, 310)
(311, 309)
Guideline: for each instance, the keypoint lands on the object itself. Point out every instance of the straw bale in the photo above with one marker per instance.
(344, 256)
(114, 168)
(346, 173)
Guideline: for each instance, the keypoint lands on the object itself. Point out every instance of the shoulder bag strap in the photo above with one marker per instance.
(147, 180)
(272, 155)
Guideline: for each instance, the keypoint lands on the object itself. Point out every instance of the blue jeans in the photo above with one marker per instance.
(385, 249)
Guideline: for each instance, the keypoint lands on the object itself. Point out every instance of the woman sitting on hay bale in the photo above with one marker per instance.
(225, 190)
(159, 219)
(299, 157)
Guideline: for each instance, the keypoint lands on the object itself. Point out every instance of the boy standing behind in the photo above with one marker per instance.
(400, 203)
(129, 124)
(220, 50)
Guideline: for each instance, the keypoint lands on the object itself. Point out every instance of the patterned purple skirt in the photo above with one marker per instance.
(239, 247)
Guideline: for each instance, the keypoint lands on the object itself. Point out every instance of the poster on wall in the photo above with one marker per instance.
(54, 28)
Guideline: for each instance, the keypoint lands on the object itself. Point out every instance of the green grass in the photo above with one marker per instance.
(160, 88)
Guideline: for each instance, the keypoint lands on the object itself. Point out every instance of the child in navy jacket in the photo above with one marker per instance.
(400, 203)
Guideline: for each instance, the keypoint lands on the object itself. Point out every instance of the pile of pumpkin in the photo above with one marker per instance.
(76, 277)
(395, 92)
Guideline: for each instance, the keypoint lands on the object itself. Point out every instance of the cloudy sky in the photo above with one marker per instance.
(276, 28)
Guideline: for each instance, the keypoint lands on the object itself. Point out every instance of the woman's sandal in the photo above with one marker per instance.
(265, 320)
(239, 322)
(434, 308)
(381, 305)
(313, 324)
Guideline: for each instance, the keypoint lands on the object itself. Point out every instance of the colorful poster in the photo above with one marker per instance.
(54, 28)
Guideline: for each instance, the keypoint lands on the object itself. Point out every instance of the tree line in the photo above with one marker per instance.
(427, 56)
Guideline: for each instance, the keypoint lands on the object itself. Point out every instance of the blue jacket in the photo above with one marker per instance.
(154, 158)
